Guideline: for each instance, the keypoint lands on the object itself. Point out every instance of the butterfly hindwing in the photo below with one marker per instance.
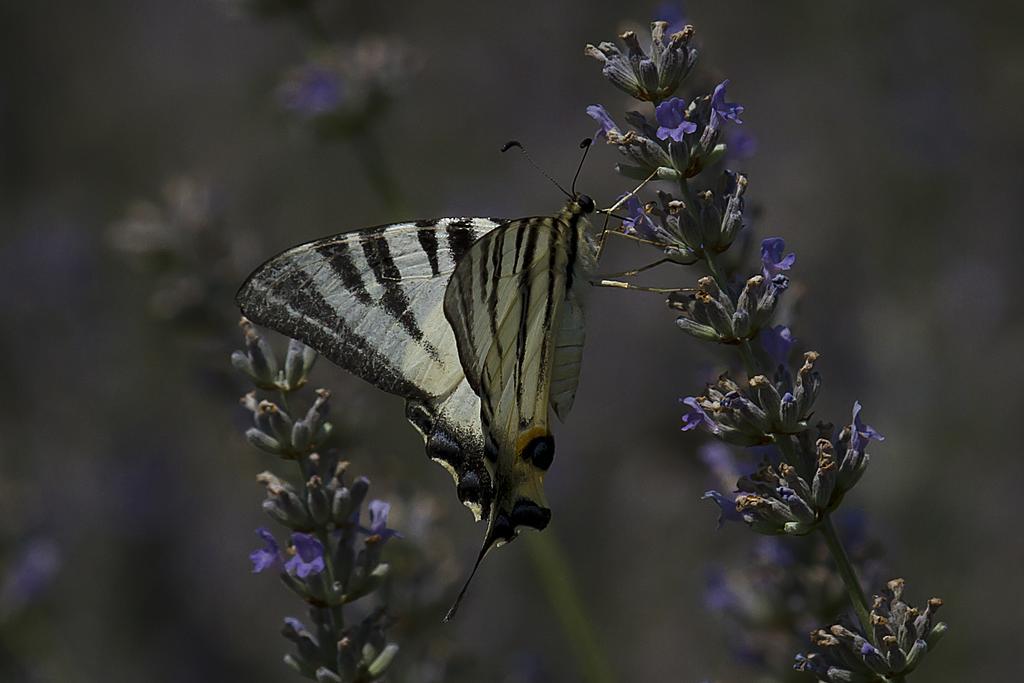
(371, 301)
(506, 302)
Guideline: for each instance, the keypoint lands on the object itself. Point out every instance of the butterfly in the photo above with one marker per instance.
(478, 323)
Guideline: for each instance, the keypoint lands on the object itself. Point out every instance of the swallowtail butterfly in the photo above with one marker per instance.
(476, 322)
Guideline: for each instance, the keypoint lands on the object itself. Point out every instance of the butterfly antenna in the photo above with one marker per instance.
(515, 143)
(585, 146)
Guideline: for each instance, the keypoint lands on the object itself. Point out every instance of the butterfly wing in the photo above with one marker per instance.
(371, 301)
(518, 327)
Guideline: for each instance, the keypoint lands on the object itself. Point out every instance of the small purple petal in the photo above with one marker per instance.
(862, 433)
(772, 260)
(671, 116)
(379, 520)
(696, 416)
(638, 222)
(777, 343)
(604, 119)
(726, 506)
(722, 110)
(308, 558)
(267, 556)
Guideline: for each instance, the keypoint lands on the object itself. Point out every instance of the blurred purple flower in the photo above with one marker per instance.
(721, 462)
(722, 110)
(379, 521)
(772, 260)
(718, 595)
(740, 144)
(777, 342)
(31, 572)
(862, 433)
(267, 556)
(313, 90)
(604, 119)
(772, 551)
(672, 123)
(308, 558)
(672, 13)
(696, 416)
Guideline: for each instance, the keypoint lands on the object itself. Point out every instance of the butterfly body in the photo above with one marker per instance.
(476, 322)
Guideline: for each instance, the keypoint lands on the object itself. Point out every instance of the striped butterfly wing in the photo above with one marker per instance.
(371, 301)
(518, 324)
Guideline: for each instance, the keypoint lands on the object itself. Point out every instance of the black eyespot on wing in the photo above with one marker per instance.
(470, 487)
(528, 513)
(504, 529)
(540, 451)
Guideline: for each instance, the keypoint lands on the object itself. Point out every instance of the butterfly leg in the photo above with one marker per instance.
(637, 271)
(618, 284)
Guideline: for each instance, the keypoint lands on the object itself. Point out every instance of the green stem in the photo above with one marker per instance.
(845, 567)
(559, 586)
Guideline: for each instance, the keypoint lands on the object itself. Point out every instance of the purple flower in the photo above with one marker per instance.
(267, 556)
(777, 342)
(696, 416)
(672, 123)
(722, 110)
(308, 558)
(638, 222)
(673, 14)
(772, 260)
(721, 461)
(718, 595)
(32, 571)
(770, 550)
(726, 506)
(740, 144)
(862, 433)
(604, 119)
(379, 521)
(313, 90)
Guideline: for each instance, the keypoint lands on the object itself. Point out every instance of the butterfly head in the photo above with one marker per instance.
(583, 204)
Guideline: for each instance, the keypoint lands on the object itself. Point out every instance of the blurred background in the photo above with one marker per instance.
(153, 153)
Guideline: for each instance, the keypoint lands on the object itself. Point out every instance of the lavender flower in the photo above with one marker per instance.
(801, 482)
(651, 76)
(308, 557)
(325, 565)
(901, 636)
(672, 121)
(721, 110)
(267, 556)
(777, 342)
(379, 521)
(773, 262)
(608, 126)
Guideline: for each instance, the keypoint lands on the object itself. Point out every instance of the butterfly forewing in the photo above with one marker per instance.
(371, 301)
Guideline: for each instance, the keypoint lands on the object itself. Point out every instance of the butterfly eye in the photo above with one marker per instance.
(586, 203)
